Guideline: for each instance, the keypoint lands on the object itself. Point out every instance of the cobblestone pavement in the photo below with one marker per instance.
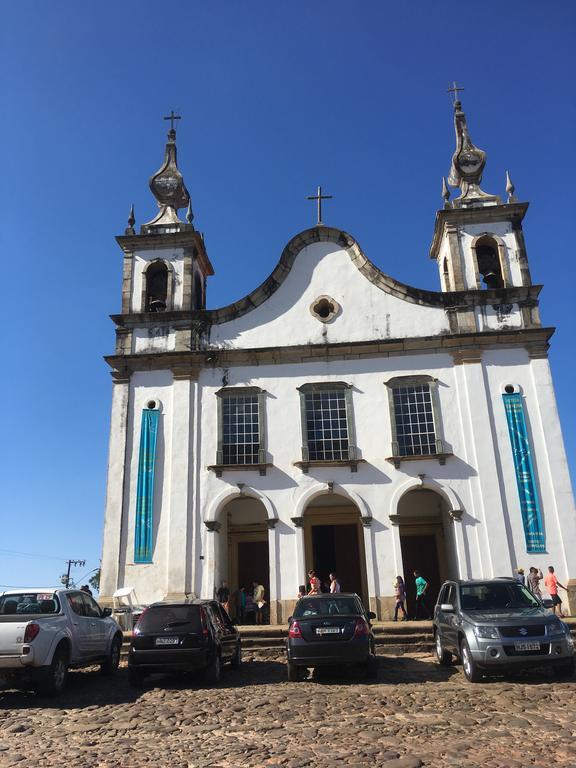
(415, 714)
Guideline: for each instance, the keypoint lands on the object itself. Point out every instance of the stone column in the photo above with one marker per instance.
(273, 568)
(179, 522)
(370, 575)
(117, 469)
(480, 453)
(300, 553)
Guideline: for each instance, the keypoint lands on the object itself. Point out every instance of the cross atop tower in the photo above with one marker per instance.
(172, 116)
(319, 197)
(455, 90)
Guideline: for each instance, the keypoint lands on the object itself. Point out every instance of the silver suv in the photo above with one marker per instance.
(498, 626)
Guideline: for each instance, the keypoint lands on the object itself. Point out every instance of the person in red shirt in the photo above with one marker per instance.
(551, 583)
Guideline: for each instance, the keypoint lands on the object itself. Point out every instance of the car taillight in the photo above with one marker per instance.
(203, 622)
(31, 632)
(137, 630)
(361, 628)
(295, 630)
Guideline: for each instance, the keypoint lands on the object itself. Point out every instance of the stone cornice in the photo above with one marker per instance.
(192, 362)
(512, 212)
(456, 300)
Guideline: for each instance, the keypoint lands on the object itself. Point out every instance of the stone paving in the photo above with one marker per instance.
(416, 714)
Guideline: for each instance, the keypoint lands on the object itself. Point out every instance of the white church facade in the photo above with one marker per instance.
(334, 418)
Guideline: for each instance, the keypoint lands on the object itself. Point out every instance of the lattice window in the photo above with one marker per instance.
(241, 427)
(414, 418)
(327, 422)
(326, 426)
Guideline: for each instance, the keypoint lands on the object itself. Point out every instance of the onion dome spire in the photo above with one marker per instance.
(167, 184)
(467, 162)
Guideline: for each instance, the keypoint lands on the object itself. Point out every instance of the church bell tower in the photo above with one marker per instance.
(478, 240)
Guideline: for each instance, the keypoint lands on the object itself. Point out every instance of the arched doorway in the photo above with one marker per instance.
(427, 542)
(334, 542)
(243, 555)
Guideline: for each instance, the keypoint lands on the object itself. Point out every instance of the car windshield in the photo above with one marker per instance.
(334, 606)
(496, 596)
(163, 618)
(29, 603)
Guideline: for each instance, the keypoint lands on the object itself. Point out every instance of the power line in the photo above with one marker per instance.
(29, 554)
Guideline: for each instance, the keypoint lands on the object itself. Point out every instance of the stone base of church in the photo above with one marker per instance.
(105, 601)
(570, 609)
(178, 597)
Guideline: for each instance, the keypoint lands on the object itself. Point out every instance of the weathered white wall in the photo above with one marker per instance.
(367, 312)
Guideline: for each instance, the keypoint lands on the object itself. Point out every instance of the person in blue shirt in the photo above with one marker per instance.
(421, 589)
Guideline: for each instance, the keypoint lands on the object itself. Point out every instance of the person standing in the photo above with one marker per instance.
(520, 576)
(400, 595)
(223, 595)
(551, 583)
(421, 589)
(334, 584)
(314, 582)
(241, 605)
(534, 578)
(259, 601)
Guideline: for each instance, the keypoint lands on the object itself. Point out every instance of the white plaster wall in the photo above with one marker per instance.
(175, 256)
(494, 317)
(558, 514)
(157, 339)
(149, 580)
(284, 319)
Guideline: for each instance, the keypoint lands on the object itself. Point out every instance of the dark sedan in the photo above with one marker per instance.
(182, 637)
(330, 631)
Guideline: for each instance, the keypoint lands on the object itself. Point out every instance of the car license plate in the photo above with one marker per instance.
(328, 630)
(527, 646)
(167, 640)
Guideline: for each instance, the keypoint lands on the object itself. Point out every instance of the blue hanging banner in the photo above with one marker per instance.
(529, 504)
(145, 488)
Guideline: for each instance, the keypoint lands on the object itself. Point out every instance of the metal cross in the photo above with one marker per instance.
(319, 197)
(455, 90)
(172, 117)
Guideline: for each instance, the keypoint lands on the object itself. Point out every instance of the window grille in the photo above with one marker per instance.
(326, 426)
(241, 426)
(414, 419)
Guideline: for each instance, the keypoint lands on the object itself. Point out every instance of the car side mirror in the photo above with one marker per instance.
(447, 607)
(290, 619)
(371, 615)
(106, 612)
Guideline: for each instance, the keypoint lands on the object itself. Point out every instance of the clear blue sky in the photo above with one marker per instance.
(276, 97)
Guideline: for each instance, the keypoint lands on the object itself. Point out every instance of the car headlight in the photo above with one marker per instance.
(555, 627)
(488, 633)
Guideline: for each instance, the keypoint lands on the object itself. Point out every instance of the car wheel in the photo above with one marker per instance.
(471, 671)
(135, 677)
(237, 658)
(213, 670)
(112, 661)
(564, 670)
(444, 657)
(54, 677)
(294, 674)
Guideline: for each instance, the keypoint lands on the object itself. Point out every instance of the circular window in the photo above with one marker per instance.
(153, 405)
(324, 308)
(510, 389)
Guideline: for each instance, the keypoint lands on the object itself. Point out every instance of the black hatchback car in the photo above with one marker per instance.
(187, 636)
(330, 631)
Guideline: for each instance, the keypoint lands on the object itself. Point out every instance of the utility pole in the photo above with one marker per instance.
(65, 579)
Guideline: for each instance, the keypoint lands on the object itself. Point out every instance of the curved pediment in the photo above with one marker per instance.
(347, 243)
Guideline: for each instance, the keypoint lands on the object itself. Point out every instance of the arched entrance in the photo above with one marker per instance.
(243, 552)
(426, 541)
(334, 542)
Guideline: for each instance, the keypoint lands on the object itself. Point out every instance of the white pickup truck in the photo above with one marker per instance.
(44, 632)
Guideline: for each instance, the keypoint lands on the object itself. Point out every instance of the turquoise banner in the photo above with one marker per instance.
(145, 488)
(529, 504)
